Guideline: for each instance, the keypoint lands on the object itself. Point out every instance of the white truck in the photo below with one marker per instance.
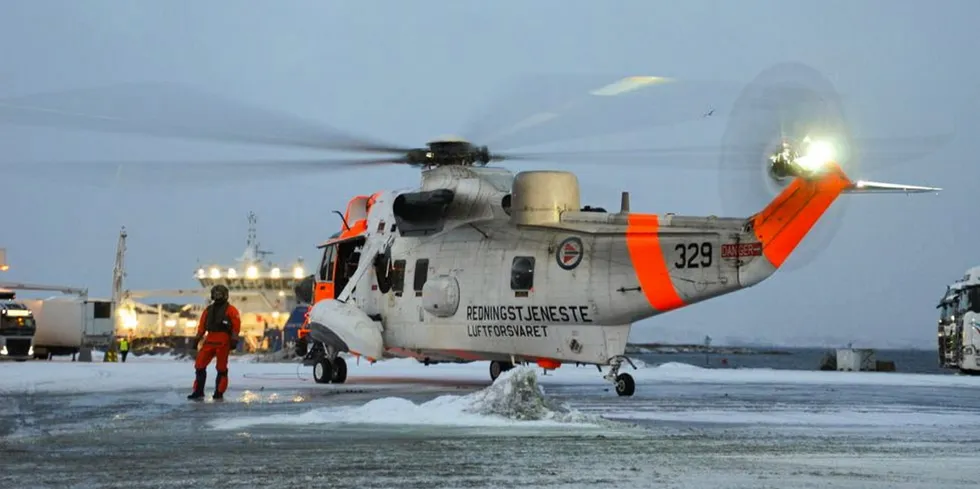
(17, 328)
(65, 324)
(959, 324)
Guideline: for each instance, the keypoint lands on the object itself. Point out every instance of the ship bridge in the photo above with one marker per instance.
(261, 289)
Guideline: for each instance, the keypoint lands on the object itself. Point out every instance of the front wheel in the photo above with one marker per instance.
(322, 372)
(339, 371)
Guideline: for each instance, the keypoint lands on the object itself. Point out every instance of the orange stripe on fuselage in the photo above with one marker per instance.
(643, 242)
(783, 224)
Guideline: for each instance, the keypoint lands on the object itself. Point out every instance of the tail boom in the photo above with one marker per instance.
(783, 224)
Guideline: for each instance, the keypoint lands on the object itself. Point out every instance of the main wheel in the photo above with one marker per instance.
(322, 371)
(625, 385)
(495, 369)
(339, 371)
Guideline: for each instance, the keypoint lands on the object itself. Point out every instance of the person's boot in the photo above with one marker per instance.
(200, 377)
(220, 384)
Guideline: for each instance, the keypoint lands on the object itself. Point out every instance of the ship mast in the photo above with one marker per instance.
(252, 252)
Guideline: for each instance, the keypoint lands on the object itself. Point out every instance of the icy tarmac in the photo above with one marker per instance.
(400, 424)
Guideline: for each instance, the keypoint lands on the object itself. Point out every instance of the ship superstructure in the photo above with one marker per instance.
(260, 288)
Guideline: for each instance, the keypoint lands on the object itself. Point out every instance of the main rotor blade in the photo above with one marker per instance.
(550, 108)
(177, 111)
(872, 152)
(163, 172)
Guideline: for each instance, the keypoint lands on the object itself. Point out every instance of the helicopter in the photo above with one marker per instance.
(479, 263)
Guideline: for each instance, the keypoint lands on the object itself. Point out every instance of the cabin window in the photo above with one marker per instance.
(398, 276)
(421, 274)
(522, 273)
(326, 264)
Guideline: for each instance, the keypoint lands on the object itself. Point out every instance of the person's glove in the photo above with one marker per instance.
(234, 343)
(197, 343)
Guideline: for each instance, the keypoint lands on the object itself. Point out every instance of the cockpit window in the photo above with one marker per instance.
(325, 273)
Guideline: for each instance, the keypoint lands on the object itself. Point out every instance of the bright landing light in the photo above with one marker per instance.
(816, 154)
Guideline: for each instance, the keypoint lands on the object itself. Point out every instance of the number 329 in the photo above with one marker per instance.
(693, 255)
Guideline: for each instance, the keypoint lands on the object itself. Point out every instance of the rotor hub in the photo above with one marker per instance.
(448, 153)
(809, 159)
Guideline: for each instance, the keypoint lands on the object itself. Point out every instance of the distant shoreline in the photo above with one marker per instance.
(635, 348)
(681, 348)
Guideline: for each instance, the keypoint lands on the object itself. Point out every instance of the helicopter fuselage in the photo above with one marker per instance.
(516, 271)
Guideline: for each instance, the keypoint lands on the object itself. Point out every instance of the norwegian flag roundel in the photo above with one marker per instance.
(569, 253)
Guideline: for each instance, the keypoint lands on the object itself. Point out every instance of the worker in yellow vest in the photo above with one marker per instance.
(124, 348)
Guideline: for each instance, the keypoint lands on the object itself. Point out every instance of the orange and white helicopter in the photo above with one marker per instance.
(479, 263)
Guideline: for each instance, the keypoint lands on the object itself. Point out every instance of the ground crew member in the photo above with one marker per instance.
(124, 348)
(221, 322)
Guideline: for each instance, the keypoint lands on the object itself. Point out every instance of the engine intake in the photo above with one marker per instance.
(419, 213)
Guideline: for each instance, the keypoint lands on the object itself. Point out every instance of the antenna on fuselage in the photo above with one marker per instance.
(346, 226)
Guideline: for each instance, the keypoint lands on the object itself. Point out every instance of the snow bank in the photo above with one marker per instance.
(514, 398)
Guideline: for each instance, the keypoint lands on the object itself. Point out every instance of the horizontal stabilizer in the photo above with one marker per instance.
(866, 187)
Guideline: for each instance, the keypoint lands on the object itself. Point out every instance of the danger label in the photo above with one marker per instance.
(740, 250)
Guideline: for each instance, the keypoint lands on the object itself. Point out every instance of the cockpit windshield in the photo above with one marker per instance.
(948, 305)
(970, 299)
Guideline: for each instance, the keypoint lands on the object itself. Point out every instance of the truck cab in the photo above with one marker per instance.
(949, 331)
(969, 326)
(17, 328)
(959, 324)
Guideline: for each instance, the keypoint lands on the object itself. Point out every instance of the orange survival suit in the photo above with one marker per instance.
(222, 323)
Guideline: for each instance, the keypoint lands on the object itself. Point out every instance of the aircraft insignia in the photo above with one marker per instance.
(569, 253)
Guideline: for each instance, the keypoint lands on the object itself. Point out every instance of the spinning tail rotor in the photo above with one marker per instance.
(787, 123)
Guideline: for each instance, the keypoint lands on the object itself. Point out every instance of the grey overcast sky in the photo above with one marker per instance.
(408, 71)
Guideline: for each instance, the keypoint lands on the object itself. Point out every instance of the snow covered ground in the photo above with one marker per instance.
(165, 372)
(448, 426)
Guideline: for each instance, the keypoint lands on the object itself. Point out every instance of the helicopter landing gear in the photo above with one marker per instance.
(625, 386)
(339, 371)
(327, 365)
(497, 368)
(323, 371)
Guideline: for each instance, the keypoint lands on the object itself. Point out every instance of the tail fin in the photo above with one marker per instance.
(783, 224)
